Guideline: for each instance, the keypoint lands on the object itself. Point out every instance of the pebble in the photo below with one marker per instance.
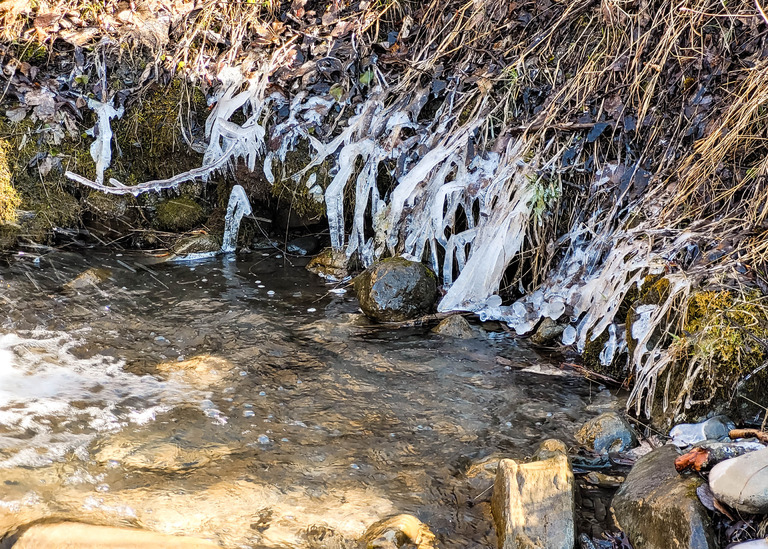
(263, 439)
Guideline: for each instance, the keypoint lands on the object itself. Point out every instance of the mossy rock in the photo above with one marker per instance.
(179, 214)
(721, 337)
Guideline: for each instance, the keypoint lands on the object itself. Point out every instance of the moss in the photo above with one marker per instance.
(295, 194)
(9, 197)
(149, 138)
(179, 214)
(720, 352)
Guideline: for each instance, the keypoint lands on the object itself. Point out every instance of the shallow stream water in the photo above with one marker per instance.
(243, 400)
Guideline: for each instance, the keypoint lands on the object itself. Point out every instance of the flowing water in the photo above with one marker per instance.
(245, 401)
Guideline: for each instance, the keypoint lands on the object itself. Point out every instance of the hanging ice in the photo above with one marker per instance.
(101, 148)
(237, 207)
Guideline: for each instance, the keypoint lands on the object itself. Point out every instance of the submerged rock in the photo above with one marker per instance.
(202, 371)
(550, 448)
(658, 508)
(303, 245)
(742, 482)
(533, 505)
(396, 289)
(88, 279)
(76, 535)
(608, 432)
(714, 428)
(331, 264)
(397, 531)
(455, 326)
(197, 244)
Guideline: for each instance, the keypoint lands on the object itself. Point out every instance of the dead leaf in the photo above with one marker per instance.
(17, 115)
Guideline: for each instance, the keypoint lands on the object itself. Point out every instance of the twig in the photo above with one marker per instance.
(762, 12)
(762, 436)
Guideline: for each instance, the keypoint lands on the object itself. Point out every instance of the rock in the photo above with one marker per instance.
(548, 331)
(396, 289)
(742, 482)
(714, 428)
(179, 214)
(550, 448)
(331, 264)
(304, 245)
(197, 244)
(753, 544)
(202, 371)
(455, 326)
(658, 508)
(75, 535)
(608, 432)
(397, 531)
(533, 505)
(160, 451)
(88, 279)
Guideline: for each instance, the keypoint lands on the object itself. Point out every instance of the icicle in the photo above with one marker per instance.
(101, 149)
(237, 207)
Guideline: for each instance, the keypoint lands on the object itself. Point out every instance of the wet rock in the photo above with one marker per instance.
(179, 214)
(331, 264)
(75, 535)
(197, 244)
(304, 245)
(201, 371)
(550, 448)
(455, 326)
(658, 508)
(533, 504)
(397, 531)
(608, 432)
(547, 332)
(396, 289)
(742, 482)
(88, 279)
(714, 428)
(159, 451)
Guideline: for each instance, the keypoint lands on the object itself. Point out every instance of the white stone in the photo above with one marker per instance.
(533, 505)
(742, 482)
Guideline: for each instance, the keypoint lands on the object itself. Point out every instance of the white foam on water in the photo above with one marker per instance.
(53, 403)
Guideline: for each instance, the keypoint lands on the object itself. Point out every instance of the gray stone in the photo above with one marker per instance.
(396, 289)
(715, 428)
(197, 244)
(550, 448)
(533, 505)
(547, 332)
(303, 245)
(608, 432)
(742, 482)
(754, 544)
(658, 508)
(455, 326)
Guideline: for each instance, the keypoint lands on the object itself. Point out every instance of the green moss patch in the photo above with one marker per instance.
(179, 214)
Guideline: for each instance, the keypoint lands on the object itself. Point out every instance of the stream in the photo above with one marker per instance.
(244, 400)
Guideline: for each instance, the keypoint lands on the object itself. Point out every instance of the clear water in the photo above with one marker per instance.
(243, 401)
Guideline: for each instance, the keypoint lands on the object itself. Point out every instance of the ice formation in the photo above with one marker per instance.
(463, 210)
(237, 207)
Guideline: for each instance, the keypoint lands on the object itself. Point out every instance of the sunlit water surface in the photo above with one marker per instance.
(243, 401)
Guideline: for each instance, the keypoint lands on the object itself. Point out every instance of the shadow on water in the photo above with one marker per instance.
(240, 401)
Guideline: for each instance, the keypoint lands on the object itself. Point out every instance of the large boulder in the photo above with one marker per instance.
(658, 508)
(533, 505)
(742, 482)
(396, 289)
